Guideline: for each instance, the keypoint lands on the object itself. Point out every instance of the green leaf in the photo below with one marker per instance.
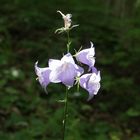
(132, 112)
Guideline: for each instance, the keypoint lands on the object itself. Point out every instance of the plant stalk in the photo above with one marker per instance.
(66, 94)
(65, 113)
(69, 42)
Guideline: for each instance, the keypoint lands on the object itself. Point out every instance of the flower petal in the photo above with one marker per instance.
(98, 77)
(54, 75)
(93, 90)
(84, 80)
(81, 56)
(64, 71)
(67, 19)
(94, 70)
(79, 70)
(61, 13)
(69, 16)
(67, 74)
(95, 77)
(86, 56)
(90, 82)
(53, 63)
(68, 58)
(43, 75)
(93, 85)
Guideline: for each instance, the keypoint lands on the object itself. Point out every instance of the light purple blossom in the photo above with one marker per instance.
(86, 56)
(91, 82)
(64, 70)
(43, 75)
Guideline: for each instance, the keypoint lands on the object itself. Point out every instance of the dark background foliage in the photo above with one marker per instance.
(27, 35)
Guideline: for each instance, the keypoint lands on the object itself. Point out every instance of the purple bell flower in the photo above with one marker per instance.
(86, 56)
(64, 70)
(91, 82)
(43, 75)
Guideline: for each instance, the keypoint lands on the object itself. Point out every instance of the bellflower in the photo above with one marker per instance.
(86, 56)
(91, 82)
(43, 75)
(64, 70)
(67, 23)
(67, 19)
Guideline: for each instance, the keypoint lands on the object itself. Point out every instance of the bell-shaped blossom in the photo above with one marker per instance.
(91, 82)
(86, 56)
(43, 75)
(64, 70)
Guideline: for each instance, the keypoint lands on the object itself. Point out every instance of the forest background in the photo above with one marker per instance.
(27, 35)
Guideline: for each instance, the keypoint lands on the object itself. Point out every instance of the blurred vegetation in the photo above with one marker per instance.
(27, 35)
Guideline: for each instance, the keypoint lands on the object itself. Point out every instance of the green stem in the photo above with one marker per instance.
(66, 94)
(78, 87)
(68, 44)
(65, 113)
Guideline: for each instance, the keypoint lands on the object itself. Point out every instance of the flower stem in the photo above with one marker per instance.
(69, 42)
(78, 87)
(66, 93)
(65, 113)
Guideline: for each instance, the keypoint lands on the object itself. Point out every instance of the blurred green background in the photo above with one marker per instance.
(27, 35)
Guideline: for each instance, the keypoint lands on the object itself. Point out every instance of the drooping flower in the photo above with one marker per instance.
(43, 75)
(91, 82)
(67, 19)
(64, 70)
(67, 23)
(86, 56)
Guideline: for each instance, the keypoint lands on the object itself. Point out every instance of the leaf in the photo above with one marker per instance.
(132, 112)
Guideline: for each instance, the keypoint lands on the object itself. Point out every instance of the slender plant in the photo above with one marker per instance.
(67, 72)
